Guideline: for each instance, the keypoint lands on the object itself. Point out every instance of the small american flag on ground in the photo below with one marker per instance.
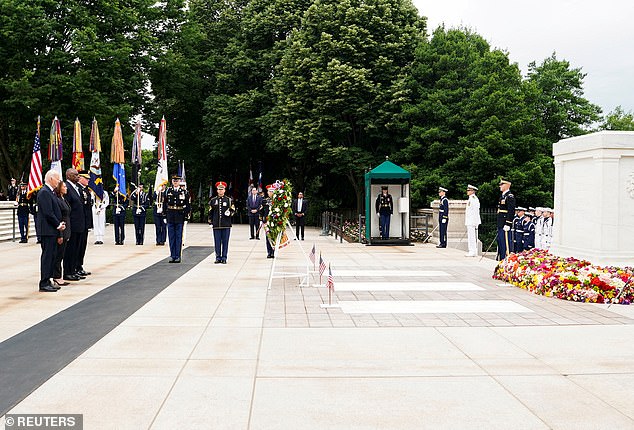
(312, 255)
(322, 265)
(330, 283)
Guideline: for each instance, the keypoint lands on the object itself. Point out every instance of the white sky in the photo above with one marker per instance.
(596, 36)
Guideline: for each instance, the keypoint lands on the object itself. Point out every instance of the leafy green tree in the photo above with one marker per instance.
(470, 121)
(73, 59)
(618, 119)
(560, 103)
(340, 84)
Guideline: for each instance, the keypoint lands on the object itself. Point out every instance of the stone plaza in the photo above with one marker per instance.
(424, 338)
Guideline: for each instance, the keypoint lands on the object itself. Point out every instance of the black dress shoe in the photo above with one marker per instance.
(217, 262)
(257, 238)
(48, 289)
(178, 260)
(172, 261)
(251, 238)
(80, 276)
(71, 278)
(23, 241)
(82, 273)
(224, 262)
(270, 256)
(440, 246)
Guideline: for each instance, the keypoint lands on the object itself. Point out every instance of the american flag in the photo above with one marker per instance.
(35, 176)
(312, 255)
(331, 281)
(322, 265)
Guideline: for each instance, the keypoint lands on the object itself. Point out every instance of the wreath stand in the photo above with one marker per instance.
(304, 276)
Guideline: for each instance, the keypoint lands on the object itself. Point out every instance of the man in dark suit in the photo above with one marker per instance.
(77, 226)
(51, 228)
(254, 206)
(299, 208)
(87, 200)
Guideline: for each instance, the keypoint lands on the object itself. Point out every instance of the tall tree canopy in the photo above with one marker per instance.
(340, 85)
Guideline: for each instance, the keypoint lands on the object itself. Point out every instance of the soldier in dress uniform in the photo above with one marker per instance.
(12, 191)
(176, 207)
(139, 202)
(160, 222)
(266, 209)
(221, 209)
(24, 206)
(384, 206)
(505, 215)
(120, 204)
(528, 241)
(443, 217)
(88, 225)
(518, 229)
(99, 216)
(547, 231)
(472, 221)
(538, 220)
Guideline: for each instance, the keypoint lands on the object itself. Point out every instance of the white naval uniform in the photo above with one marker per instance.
(472, 221)
(99, 216)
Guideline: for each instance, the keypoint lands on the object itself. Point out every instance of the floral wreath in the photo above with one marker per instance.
(280, 209)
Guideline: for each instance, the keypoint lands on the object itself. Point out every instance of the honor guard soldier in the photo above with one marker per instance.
(443, 217)
(23, 212)
(99, 216)
(139, 202)
(221, 209)
(266, 209)
(86, 196)
(118, 215)
(160, 222)
(384, 206)
(12, 191)
(472, 221)
(518, 229)
(176, 207)
(528, 241)
(547, 230)
(505, 215)
(538, 220)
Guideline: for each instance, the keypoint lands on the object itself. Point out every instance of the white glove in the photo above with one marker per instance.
(506, 228)
(378, 214)
(444, 221)
(138, 211)
(118, 211)
(227, 212)
(165, 221)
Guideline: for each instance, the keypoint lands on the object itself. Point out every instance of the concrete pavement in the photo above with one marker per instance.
(425, 340)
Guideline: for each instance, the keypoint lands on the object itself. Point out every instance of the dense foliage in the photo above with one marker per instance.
(313, 90)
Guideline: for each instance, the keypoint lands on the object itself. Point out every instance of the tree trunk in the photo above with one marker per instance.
(358, 189)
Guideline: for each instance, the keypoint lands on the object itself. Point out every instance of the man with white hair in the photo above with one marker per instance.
(51, 227)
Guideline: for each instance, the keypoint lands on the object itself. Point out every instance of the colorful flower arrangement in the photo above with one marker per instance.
(540, 272)
(280, 209)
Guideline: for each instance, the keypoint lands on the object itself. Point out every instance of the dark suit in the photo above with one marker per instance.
(78, 228)
(49, 217)
(254, 218)
(299, 213)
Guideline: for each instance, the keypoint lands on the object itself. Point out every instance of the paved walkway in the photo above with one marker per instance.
(425, 339)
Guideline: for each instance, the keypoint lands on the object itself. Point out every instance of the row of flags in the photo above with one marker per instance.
(330, 282)
(117, 156)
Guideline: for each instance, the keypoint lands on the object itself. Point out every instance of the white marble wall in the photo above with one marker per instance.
(594, 198)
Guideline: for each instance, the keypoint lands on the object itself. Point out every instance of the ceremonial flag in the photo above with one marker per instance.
(55, 153)
(312, 254)
(35, 175)
(330, 283)
(322, 265)
(161, 169)
(135, 157)
(78, 153)
(95, 183)
(260, 187)
(181, 172)
(117, 158)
